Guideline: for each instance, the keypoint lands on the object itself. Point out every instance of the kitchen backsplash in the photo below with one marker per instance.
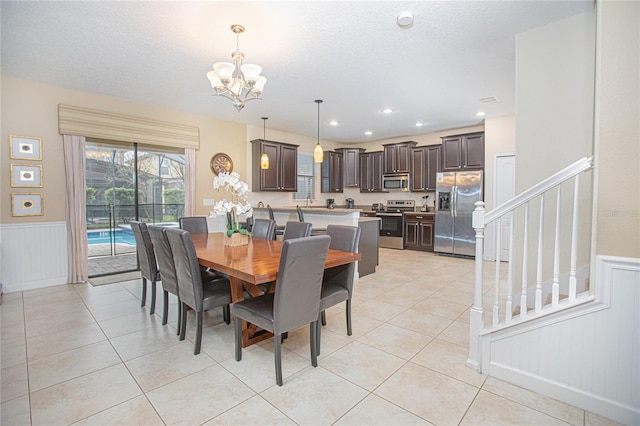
(361, 199)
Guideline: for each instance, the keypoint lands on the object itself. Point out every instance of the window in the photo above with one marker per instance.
(306, 178)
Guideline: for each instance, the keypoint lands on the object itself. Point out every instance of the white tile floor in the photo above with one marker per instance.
(78, 354)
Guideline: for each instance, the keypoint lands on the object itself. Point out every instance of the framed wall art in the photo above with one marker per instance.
(26, 176)
(26, 204)
(25, 147)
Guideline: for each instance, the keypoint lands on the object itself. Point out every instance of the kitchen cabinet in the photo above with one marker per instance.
(418, 231)
(332, 172)
(425, 163)
(371, 171)
(463, 152)
(397, 157)
(282, 174)
(351, 166)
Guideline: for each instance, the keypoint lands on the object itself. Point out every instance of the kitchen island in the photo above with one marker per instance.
(319, 217)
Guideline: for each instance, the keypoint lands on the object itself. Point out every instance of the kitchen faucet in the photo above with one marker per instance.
(309, 200)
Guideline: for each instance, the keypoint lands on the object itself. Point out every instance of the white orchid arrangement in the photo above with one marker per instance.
(238, 205)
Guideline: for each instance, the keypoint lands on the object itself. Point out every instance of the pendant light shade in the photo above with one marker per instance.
(318, 153)
(264, 159)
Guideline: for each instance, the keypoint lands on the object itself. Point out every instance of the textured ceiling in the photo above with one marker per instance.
(351, 54)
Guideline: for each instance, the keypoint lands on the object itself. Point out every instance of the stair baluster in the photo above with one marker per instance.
(496, 291)
(555, 286)
(574, 242)
(525, 264)
(538, 305)
(509, 306)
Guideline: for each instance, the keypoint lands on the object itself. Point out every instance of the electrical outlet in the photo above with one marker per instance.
(208, 202)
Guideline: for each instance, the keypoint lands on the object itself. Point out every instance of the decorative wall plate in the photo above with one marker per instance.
(221, 162)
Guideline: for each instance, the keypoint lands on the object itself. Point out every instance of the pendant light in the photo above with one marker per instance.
(264, 159)
(318, 153)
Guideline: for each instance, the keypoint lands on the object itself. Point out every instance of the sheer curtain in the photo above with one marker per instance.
(189, 181)
(76, 208)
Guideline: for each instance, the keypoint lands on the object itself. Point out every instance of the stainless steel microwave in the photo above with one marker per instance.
(396, 182)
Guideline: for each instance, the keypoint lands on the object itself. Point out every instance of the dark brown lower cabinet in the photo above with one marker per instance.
(418, 231)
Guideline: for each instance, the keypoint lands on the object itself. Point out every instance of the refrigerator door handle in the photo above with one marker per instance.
(454, 201)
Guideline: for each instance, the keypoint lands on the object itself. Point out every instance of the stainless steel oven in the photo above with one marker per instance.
(392, 223)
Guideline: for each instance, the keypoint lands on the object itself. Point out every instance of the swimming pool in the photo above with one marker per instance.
(119, 236)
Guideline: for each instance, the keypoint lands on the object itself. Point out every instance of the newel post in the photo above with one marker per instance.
(476, 320)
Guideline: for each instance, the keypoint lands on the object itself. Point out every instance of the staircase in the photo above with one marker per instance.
(528, 303)
(548, 326)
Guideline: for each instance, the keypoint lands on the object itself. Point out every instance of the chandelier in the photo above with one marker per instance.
(236, 81)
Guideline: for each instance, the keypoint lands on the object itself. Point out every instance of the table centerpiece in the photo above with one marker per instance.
(236, 235)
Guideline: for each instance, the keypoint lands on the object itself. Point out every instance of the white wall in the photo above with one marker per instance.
(618, 130)
(555, 75)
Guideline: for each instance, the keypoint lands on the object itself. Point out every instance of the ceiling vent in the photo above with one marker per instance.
(489, 99)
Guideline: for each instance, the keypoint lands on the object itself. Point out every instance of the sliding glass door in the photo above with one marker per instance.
(127, 182)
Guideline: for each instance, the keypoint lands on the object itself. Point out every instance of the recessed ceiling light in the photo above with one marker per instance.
(419, 124)
(333, 123)
(405, 19)
(387, 110)
(480, 114)
(368, 133)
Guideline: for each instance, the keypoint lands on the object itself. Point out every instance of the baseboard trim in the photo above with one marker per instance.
(599, 405)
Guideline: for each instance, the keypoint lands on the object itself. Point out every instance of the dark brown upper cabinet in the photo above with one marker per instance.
(371, 171)
(351, 166)
(463, 151)
(425, 163)
(397, 157)
(282, 174)
(332, 172)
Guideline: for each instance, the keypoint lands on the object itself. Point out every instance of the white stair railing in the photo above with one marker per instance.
(507, 211)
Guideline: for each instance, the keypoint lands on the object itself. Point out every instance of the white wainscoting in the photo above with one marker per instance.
(586, 356)
(33, 255)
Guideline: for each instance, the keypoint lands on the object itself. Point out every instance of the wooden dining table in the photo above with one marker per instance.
(250, 265)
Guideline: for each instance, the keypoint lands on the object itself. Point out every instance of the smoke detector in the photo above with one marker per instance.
(405, 19)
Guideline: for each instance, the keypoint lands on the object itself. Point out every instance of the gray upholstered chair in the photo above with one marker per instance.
(296, 230)
(279, 228)
(167, 270)
(296, 300)
(337, 282)
(263, 228)
(194, 224)
(196, 293)
(147, 260)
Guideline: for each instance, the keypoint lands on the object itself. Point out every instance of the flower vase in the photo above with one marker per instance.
(236, 239)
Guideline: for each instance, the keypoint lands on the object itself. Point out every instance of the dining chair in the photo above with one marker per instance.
(168, 270)
(263, 228)
(296, 300)
(147, 261)
(300, 214)
(337, 282)
(195, 292)
(279, 228)
(296, 230)
(194, 224)
(248, 224)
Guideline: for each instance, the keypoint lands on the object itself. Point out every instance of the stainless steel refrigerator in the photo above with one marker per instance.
(456, 195)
